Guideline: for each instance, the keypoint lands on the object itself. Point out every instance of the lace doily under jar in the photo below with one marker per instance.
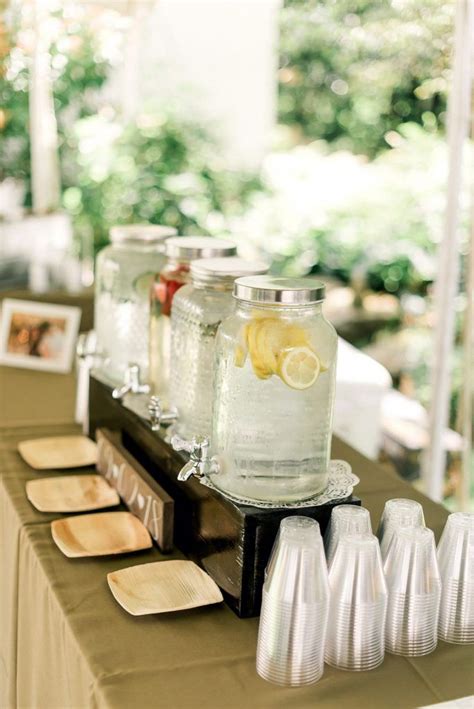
(341, 483)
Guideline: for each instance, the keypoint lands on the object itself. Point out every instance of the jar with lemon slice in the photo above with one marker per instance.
(274, 391)
(124, 272)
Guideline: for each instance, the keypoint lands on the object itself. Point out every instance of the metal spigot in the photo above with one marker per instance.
(199, 463)
(132, 383)
(88, 351)
(158, 416)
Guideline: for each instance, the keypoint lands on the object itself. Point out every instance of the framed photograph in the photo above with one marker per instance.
(38, 335)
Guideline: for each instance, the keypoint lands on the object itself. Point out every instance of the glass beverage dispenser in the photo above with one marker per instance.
(124, 272)
(274, 392)
(180, 252)
(197, 312)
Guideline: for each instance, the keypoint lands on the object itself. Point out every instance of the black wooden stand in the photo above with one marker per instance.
(232, 542)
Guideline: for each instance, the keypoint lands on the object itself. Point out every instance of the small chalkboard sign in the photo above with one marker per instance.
(138, 490)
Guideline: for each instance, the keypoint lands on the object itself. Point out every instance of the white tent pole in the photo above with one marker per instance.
(131, 62)
(448, 258)
(137, 12)
(45, 179)
(467, 380)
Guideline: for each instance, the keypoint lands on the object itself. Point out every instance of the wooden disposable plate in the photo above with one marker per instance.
(71, 493)
(163, 586)
(58, 452)
(100, 534)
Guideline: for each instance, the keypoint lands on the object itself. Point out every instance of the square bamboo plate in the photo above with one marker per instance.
(58, 452)
(100, 534)
(71, 493)
(162, 587)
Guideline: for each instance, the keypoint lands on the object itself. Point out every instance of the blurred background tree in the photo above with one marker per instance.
(366, 76)
(352, 70)
(350, 73)
(157, 169)
(79, 71)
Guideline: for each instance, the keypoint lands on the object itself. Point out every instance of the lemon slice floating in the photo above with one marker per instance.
(280, 348)
(299, 367)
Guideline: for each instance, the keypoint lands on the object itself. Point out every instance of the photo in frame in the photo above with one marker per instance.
(37, 335)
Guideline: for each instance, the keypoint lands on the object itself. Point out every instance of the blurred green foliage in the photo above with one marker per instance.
(14, 141)
(352, 70)
(377, 222)
(78, 73)
(351, 73)
(156, 170)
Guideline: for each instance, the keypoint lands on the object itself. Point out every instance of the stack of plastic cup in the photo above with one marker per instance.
(345, 519)
(397, 514)
(456, 564)
(358, 603)
(295, 603)
(414, 591)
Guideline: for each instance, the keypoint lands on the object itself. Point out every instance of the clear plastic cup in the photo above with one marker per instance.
(345, 519)
(397, 514)
(414, 589)
(358, 604)
(295, 603)
(456, 564)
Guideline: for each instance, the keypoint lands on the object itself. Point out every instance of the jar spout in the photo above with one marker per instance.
(159, 416)
(132, 383)
(199, 463)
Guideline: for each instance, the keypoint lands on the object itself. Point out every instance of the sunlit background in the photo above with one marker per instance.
(312, 131)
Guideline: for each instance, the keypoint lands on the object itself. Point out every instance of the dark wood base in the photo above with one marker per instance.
(232, 542)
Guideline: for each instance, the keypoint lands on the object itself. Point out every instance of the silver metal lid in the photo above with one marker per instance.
(283, 291)
(189, 248)
(146, 233)
(225, 270)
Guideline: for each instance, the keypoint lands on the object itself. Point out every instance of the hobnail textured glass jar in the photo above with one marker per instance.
(180, 252)
(197, 312)
(124, 272)
(274, 391)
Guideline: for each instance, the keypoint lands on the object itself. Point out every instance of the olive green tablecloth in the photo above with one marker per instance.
(65, 642)
(15, 513)
(48, 402)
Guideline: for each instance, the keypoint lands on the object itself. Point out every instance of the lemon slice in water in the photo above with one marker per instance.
(299, 367)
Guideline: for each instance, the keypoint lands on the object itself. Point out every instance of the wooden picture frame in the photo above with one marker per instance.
(38, 335)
